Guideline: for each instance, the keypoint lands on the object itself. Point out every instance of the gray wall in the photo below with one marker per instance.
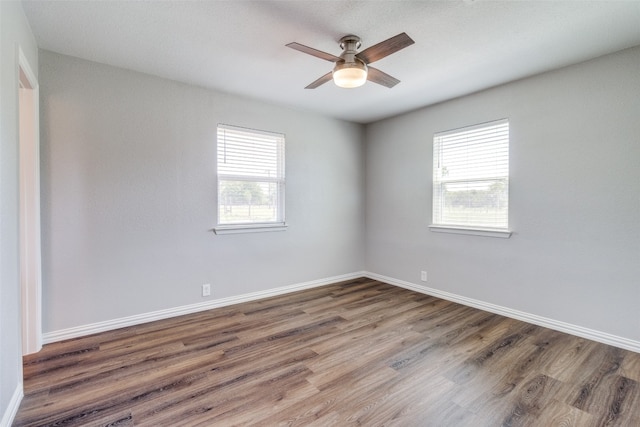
(574, 198)
(129, 195)
(14, 32)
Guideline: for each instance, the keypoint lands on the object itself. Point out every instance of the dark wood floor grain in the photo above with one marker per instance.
(354, 353)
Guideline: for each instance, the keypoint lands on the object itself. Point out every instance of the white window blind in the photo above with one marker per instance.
(471, 176)
(251, 179)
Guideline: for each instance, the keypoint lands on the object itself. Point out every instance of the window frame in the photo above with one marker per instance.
(279, 180)
(468, 229)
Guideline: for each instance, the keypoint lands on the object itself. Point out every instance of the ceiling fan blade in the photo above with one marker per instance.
(385, 48)
(382, 78)
(322, 80)
(313, 52)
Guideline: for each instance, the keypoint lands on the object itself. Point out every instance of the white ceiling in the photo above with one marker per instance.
(239, 46)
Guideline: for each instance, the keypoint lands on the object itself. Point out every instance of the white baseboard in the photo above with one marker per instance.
(12, 408)
(569, 328)
(108, 325)
(580, 331)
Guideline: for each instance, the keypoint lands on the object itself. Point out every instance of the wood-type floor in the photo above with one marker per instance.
(355, 353)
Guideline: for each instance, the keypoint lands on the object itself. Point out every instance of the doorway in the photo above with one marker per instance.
(29, 215)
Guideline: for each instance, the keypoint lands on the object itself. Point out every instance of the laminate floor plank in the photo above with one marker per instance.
(353, 353)
(230, 408)
(222, 386)
(630, 368)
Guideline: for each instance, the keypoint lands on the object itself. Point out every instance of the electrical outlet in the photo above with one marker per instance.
(423, 276)
(206, 290)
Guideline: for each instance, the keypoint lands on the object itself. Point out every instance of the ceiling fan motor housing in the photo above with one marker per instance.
(350, 45)
(350, 71)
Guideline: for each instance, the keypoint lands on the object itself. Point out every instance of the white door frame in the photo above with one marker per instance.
(29, 182)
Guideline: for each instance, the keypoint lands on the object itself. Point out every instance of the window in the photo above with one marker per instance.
(471, 180)
(251, 180)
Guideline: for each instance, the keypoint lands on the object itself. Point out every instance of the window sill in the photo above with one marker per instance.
(486, 232)
(249, 228)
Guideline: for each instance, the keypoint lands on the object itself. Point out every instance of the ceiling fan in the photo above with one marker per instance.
(352, 67)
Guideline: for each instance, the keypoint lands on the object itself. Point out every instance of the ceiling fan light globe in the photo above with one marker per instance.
(350, 75)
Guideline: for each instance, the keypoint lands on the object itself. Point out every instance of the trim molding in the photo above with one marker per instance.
(557, 325)
(486, 232)
(108, 325)
(31, 247)
(12, 408)
(137, 319)
(251, 228)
